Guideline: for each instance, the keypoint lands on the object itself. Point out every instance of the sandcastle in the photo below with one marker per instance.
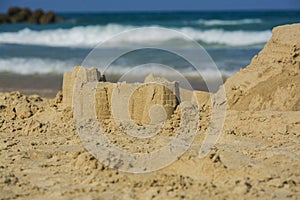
(143, 100)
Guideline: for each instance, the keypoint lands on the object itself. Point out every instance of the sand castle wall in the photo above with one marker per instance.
(148, 95)
(145, 96)
(68, 86)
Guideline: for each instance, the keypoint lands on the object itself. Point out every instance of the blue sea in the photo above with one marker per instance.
(230, 38)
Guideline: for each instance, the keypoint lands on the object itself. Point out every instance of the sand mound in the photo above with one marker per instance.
(272, 80)
(33, 114)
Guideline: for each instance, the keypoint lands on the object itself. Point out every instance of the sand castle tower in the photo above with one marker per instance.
(157, 97)
(91, 74)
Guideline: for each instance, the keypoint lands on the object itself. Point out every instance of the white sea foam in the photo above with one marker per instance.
(44, 66)
(230, 38)
(214, 22)
(34, 65)
(90, 36)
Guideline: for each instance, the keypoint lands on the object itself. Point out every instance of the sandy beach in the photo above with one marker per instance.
(256, 157)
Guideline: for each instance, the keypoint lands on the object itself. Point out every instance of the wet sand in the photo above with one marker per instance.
(44, 85)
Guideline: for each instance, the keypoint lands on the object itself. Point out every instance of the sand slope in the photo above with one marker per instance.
(271, 81)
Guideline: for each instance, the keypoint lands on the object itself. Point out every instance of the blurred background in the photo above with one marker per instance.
(41, 49)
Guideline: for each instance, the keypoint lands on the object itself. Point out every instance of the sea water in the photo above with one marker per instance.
(230, 38)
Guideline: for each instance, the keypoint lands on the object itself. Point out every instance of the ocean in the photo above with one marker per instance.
(230, 38)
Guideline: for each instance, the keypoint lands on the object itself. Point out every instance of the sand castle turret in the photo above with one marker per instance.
(91, 74)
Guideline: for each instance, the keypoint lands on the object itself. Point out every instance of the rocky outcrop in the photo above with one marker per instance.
(272, 80)
(3, 19)
(25, 15)
(35, 17)
(47, 18)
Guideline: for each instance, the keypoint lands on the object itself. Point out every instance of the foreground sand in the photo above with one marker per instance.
(257, 155)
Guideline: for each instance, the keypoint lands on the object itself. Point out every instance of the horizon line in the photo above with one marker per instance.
(160, 11)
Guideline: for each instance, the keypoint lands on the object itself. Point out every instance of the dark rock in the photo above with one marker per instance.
(17, 18)
(35, 16)
(12, 11)
(26, 12)
(16, 15)
(58, 19)
(37, 13)
(32, 20)
(3, 19)
(21, 16)
(47, 18)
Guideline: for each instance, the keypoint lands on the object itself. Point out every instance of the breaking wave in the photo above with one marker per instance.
(45, 66)
(217, 22)
(90, 36)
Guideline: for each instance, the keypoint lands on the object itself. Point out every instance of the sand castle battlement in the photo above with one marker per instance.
(144, 97)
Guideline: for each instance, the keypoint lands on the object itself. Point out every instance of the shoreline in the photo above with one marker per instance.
(49, 84)
(45, 85)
